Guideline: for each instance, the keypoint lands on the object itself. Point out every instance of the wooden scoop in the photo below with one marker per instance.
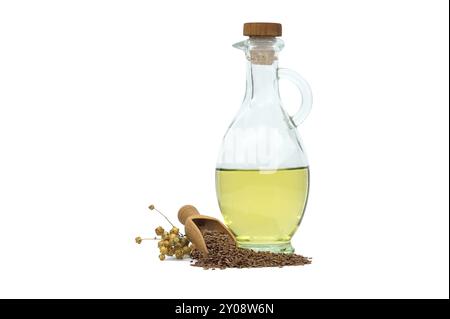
(195, 224)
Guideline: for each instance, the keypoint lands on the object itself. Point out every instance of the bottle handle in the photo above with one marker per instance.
(305, 91)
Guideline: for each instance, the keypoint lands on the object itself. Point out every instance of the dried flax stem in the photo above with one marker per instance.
(152, 207)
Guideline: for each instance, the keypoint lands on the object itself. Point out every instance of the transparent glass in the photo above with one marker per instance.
(262, 174)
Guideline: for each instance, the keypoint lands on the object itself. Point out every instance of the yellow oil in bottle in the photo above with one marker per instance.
(263, 208)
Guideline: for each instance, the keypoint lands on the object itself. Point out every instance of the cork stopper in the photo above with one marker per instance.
(262, 29)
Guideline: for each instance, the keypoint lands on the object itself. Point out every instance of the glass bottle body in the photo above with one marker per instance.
(262, 175)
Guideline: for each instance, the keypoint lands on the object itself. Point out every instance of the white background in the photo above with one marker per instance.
(108, 106)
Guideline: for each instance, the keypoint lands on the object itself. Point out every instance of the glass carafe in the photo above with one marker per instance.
(262, 174)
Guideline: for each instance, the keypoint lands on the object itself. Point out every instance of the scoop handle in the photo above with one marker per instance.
(185, 212)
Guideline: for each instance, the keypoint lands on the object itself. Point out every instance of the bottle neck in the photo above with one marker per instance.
(262, 84)
(262, 66)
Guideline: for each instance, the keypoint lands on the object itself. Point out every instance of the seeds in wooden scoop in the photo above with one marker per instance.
(223, 253)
